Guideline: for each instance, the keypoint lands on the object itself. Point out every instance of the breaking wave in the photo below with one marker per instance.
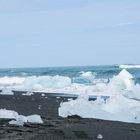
(85, 77)
(123, 83)
(129, 66)
(11, 81)
(35, 83)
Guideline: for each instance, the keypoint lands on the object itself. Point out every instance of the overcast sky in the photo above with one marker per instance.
(69, 32)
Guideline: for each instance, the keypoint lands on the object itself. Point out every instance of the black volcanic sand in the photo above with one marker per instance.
(55, 127)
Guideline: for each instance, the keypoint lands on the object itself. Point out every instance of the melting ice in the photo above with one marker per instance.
(19, 119)
(124, 105)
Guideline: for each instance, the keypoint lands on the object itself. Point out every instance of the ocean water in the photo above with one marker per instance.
(63, 79)
(101, 72)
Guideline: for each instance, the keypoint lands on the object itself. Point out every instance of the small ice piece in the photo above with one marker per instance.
(14, 122)
(7, 91)
(39, 107)
(8, 114)
(100, 136)
(57, 97)
(34, 119)
(29, 93)
(43, 95)
(69, 99)
(19, 120)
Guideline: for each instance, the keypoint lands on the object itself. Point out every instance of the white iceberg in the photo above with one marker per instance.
(116, 108)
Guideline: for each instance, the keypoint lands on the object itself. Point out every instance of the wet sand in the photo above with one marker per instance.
(55, 127)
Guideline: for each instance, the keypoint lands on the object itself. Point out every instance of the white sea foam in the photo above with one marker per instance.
(129, 66)
(84, 77)
(45, 82)
(88, 74)
(35, 83)
(11, 81)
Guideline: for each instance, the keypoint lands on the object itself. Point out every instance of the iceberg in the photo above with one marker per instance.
(116, 108)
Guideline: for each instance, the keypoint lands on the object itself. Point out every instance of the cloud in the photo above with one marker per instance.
(123, 24)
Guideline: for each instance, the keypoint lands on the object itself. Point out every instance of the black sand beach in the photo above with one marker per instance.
(55, 127)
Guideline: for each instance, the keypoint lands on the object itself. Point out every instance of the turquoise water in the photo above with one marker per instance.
(102, 72)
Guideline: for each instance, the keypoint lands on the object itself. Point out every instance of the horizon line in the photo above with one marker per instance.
(33, 67)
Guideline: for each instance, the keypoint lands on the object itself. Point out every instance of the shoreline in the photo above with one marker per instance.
(55, 127)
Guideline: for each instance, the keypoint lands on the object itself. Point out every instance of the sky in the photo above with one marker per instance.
(42, 33)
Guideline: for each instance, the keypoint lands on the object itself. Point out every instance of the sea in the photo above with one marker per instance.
(45, 78)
